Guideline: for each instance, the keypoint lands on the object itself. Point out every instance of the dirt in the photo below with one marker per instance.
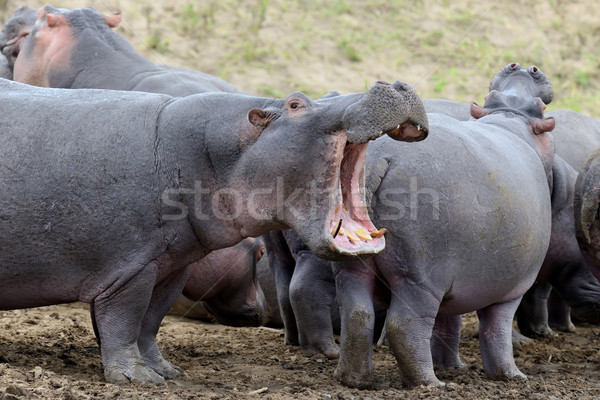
(51, 353)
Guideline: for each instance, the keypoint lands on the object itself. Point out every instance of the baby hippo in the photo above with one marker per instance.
(224, 285)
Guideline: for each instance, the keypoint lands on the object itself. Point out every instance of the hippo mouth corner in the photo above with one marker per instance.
(350, 227)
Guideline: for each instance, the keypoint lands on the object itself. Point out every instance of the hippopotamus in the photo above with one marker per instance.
(224, 286)
(78, 49)
(92, 32)
(14, 33)
(455, 109)
(459, 239)
(586, 206)
(110, 196)
(566, 285)
(306, 295)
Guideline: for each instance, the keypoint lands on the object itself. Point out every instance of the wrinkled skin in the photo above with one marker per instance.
(267, 284)
(110, 196)
(306, 295)
(92, 32)
(224, 285)
(564, 268)
(78, 49)
(586, 206)
(459, 238)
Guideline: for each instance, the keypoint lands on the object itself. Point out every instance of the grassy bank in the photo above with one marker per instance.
(445, 49)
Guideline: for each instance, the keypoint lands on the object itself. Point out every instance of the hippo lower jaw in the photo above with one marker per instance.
(350, 229)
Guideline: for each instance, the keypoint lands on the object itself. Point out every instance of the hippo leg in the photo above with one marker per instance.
(94, 323)
(410, 321)
(119, 316)
(312, 294)
(164, 296)
(445, 341)
(354, 284)
(532, 314)
(518, 340)
(282, 265)
(495, 340)
(559, 313)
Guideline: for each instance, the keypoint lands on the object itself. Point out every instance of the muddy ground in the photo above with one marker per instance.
(51, 353)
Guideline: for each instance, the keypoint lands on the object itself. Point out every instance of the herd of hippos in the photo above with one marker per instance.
(152, 184)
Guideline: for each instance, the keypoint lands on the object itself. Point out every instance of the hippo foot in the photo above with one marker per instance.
(519, 341)
(450, 364)
(510, 374)
(330, 350)
(138, 372)
(291, 339)
(537, 331)
(563, 327)
(167, 370)
(354, 379)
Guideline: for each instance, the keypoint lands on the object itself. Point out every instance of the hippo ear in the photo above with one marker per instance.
(259, 118)
(540, 126)
(113, 20)
(477, 111)
(54, 20)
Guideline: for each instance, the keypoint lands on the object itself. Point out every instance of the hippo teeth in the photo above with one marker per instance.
(337, 229)
(363, 234)
(378, 233)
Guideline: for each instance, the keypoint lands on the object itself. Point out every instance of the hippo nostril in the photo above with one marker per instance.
(382, 83)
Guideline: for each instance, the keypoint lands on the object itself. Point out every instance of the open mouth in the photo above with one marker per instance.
(351, 227)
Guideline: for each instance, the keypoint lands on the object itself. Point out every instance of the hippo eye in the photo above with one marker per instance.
(296, 105)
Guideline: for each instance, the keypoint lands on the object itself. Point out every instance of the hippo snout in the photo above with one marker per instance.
(395, 110)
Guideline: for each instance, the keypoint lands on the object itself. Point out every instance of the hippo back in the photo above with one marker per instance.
(576, 136)
(455, 109)
(462, 176)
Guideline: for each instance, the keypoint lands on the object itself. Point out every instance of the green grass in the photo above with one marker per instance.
(446, 49)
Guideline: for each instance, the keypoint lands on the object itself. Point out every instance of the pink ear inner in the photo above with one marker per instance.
(477, 111)
(113, 20)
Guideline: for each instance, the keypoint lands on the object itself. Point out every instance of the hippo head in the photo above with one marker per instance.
(15, 31)
(301, 165)
(44, 49)
(587, 212)
(236, 298)
(523, 93)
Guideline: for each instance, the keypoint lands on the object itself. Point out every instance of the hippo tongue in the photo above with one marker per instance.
(351, 226)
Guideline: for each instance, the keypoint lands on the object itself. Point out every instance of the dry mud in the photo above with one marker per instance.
(51, 353)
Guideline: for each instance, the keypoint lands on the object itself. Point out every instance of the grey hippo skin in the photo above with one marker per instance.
(468, 216)
(5, 69)
(586, 209)
(306, 295)
(455, 109)
(101, 58)
(566, 285)
(87, 53)
(109, 196)
(224, 286)
(13, 34)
